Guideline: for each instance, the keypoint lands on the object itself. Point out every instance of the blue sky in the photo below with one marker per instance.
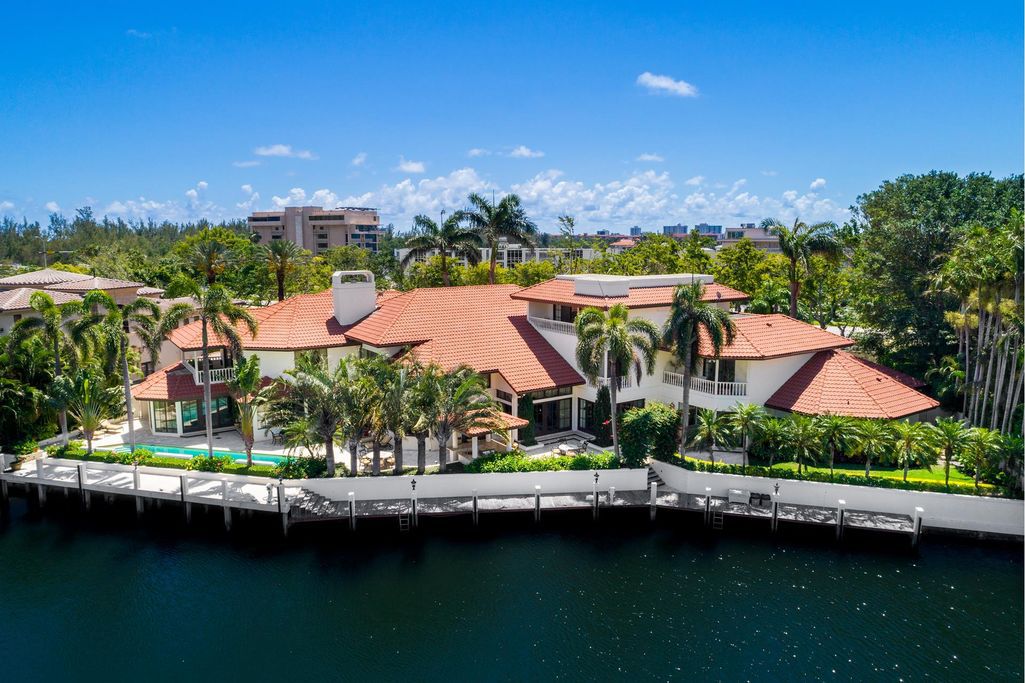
(619, 113)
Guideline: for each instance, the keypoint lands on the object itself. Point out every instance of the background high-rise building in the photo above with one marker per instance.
(635, 230)
(674, 230)
(316, 228)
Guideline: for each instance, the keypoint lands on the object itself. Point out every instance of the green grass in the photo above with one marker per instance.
(914, 474)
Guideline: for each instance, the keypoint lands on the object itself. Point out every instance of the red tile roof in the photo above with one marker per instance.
(41, 278)
(177, 383)
(772, 336)
(840, 383)
(480, 326)
(564, 292)
(92, 283)
(508, 421)
(625, 242)
(18, 299)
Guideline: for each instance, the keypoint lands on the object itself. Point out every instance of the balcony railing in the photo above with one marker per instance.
(217, 375)
(625, 382)
(706, 386)
(552, 325)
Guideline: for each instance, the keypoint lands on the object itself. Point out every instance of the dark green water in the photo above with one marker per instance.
(88, 598)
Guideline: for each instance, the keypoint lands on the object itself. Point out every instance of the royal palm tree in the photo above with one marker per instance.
(873, 440)
(837, 431)
(980, 445)
(87, 400)
(282, 256)
(911, 444)
(610, 344)
(220, 315)
(463, 404)
(798, 243)
(948, 437)
(491, 222)
(711, 430)
(688, 316)
(804, 439)
(451, 238)
(746, 420)
(244, 388)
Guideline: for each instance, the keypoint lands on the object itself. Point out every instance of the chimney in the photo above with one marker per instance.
(355, 296)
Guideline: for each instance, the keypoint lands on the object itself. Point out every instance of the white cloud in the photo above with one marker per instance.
(647, 156)
(524, 152)
(696, 180)
(135, 33)
(408, 166)
(246, 164)
(53, 207)
(359, 159)
(478, 152)
(298, 196)
(249, 204)
(817, 184)
(280, 150)
(6, 205)
(666, 85)
(202, 184)
(247, 188)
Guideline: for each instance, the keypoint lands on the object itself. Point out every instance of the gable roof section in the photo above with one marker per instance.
(772, 335)
(478, 326)
(564, 292)
(41, 278)
(839, 383)
(91, 283)
(18, 299)
(177, 383)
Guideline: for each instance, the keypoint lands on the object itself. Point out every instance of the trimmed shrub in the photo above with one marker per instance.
(518, 461)
(74, 449)
(303, 468)
(141, 456)
(26, 446)
(648, 431)
(602, 427)
(205, 463)
(526, 411)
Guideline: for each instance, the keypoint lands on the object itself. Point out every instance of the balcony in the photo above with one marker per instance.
(706, 386)
(217, 375)
(547, 325)
(625, 382)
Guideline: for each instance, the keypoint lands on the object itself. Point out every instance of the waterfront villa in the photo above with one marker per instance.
(523, 341)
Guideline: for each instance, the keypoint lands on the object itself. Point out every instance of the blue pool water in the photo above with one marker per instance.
(258, 458)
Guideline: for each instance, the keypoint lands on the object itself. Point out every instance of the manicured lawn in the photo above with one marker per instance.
(919, 474)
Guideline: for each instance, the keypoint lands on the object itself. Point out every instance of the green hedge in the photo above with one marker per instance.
(517, 461)
(74, 451)
(648, 431)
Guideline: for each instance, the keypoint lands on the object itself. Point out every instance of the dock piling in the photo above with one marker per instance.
(917, 527)
(39, 473)
(653, 499)
(224, 502)
(775, 512)
(841, 509)
(185, 492)
(537, 503)
(708, 505)
(139, 500)
(281, 508)
(476, 509)
(82, 480)
(352, 510)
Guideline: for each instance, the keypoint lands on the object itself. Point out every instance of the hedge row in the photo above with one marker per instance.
(517, 461)
(146, 457)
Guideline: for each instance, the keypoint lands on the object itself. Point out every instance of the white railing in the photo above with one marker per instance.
(706, 386)
(625, 382)
(217, 375)
(552, 325)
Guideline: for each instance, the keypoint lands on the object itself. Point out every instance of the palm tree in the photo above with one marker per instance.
(396, 408)
(492, 221)
(798, 243)
(87, 400)
(837, 431)
(712, 429)
(873, 439)
(208, 258)
(773, 436)
(282, 257)
(688, 315)
(610, 344)
(980, 445)
(948, 436)
(154, 329)
(244, 388)
(804, 439)
(450, 238)
(463, 404)
(912, 444)
(746, 419)
(220, 315)
(424, 400)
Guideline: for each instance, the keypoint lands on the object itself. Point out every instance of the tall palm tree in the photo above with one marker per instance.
(87, 400)
(837, 431)
(209, 258)
(911, 444)
(282, 257)
(611, 344)
(798, 243)
(424, 402)
(153, 330)
(948, 436)
(980, 445)
(804, 439)
(711, 430)
(873, 440)
(244, 388)
(747, 419)
(396, 408)
(219, 314)
(688, 315)
(773, 436)
(463, 404)
(451, 238)
(493, 221)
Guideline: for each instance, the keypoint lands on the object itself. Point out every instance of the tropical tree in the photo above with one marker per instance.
(911, 444)
(711, 430)
(948, 437)
(84, 396)
(450, 238)
(423, 406)
(154, 329)
(798, 243)
(208, 257)
(283, 257)
(396, 409)
(873, 440)
(463, 404)
(688, 316)
(772, 436)
(804, 439)
(610, 344)
(837, 432)
(980, 446)
(746, 420)
(219, 314)
(491, 222)
(244, 388)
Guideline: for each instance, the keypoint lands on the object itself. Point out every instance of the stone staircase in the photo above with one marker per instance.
(653, 477)
(310, 506)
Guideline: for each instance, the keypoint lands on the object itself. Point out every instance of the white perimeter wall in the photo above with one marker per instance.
(944, 510)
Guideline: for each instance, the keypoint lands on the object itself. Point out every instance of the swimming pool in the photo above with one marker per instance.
(176, 451)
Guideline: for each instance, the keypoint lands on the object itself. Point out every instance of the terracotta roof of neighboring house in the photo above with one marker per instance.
(91, 283)
(508, 421)
(772, 335)
(479, 326)
(564, 292)
(177, 383)
(18, 299)
(150, 291)
(625, 242)
(840, 383)
(301, 322)
(41, 278)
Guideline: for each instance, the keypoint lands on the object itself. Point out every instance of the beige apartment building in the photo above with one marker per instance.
(316, 228)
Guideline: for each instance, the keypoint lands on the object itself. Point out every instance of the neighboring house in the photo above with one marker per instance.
(621, 245)
(318, 229)
(14, 305)
(510, 255)
(523, 341)
(763, 238)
